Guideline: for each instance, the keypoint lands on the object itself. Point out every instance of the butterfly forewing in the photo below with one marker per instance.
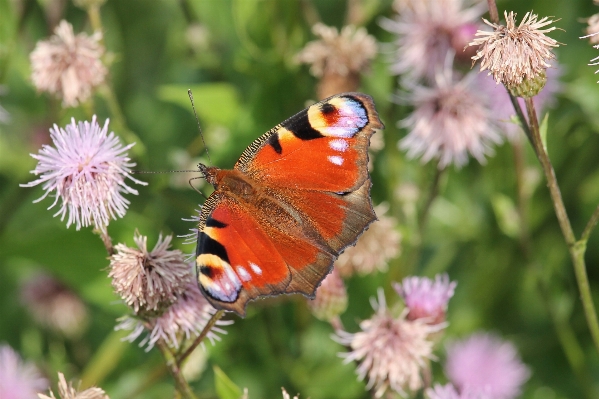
(298, 196)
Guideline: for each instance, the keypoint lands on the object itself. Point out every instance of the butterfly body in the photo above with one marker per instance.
(297, 197)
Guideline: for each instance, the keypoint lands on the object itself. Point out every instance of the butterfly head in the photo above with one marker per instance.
(209, 173)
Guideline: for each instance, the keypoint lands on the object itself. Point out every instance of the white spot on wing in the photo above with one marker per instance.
(245, 276)
(255, 268)
(339, 145)
(335, 159)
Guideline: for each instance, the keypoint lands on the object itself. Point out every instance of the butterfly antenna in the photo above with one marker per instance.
(198, 121)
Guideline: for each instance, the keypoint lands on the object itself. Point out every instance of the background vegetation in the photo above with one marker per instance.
(238, 58)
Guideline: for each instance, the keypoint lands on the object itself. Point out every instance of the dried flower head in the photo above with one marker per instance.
(149, 281)
(68, 66)
(425, 298)
(449, 121)
(426, 31)
(448, 391)
(331, 297)
(18, 379)
(512, 53)
(392, 351)
(86, 172)
(484, 363)
(338, 58)
(184, 319)
(53, 305)
(374, 248)
(66, 391)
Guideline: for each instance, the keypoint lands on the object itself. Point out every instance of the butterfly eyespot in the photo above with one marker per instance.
(336, 160)
(217, 278)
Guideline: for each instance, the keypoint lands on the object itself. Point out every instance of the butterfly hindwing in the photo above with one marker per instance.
(297, 197)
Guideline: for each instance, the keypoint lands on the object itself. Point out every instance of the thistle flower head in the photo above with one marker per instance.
(18, 379)
(338, 58)
(374, 247)
(68, 66)
(426, 31)
(86, 171)
(391, 351)
(425, 298)
(484, 363)
(66, 391)
(149, 281)
(450, 120)
(53, 305)
(184, 319)
(515, 53)
(592, 29)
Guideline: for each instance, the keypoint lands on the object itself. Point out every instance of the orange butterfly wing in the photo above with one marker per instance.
(297, 197)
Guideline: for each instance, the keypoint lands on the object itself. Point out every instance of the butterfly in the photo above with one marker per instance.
(295, 199)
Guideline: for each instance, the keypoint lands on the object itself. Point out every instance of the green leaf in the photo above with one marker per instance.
(215, 103)
(225, 388)
(543, 131)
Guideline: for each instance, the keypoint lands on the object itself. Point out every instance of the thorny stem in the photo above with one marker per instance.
(576, 248)
(173, 366)
(215, 317)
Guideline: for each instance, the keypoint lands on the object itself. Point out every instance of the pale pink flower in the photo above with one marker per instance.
(514, 53)
(331, 297)
(18, 379)
(53, 305)
(374, 247)
(449, 121)
(425, 298)
(184, 319)
(86, 172)
(149, 281)
(484, 363)
(593, 29)
(66, 391)
(448, 391)
(68, 65)
(426, 31)
(391, 351)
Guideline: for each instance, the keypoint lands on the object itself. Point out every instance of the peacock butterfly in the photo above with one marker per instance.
(296, 198)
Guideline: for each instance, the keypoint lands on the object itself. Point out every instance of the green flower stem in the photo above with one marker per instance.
(590, 226)
(576, 248)
(215, 317)
(106, 240)
(181, 383)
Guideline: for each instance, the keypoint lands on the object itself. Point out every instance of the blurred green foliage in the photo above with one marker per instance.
(240, 67)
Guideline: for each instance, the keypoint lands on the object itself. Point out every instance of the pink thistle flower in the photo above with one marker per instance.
(331, 297)
(66, 391)
(68, 65)
(18, 379)
(86, 172)
(484, 363)
(184, 319)
(393, 352)
(515, 53)
(426, 31)
(425, 298)
(149, 281)
(448, 391)
(449, 121)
